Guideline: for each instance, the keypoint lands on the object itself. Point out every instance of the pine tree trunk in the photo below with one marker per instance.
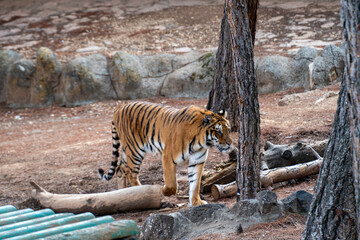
(223, 94)
(333, 213)
(248, 160)
(350, 18)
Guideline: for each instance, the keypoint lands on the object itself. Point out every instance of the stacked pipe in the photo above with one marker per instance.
(30, 224)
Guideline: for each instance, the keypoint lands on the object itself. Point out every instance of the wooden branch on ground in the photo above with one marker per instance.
(274, 156)
(127, 199)
(221, 191)
(269, 177)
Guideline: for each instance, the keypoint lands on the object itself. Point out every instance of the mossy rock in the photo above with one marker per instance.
(19, 79)
(125, 75)
(7, 58)
(48, 72)
(192, 80)
(85, 80)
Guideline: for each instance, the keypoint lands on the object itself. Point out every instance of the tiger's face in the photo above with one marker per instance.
(218, 133)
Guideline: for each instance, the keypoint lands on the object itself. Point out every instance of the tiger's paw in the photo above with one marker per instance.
(167, 191)
(198, 202)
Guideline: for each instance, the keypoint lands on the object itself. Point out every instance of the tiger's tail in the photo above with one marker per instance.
(114, 163)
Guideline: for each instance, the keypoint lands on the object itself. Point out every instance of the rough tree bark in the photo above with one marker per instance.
(223, 95)
(333, 213)
(350, 18)
(248, 159)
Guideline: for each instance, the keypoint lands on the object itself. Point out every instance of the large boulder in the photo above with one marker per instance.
(7, 58)
(188, 223)
(169, 75)
(328, 67)
(139, 77)
(85, 80)
(273, 73)
(191, 80)
(164, 227)
(19, 79)
(302, 59)
(48, 72)
(126, 75)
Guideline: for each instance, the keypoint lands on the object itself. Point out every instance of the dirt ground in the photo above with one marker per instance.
(62, 148)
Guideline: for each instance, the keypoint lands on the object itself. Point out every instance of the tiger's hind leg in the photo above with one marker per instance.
(121, 176)
(132, 168)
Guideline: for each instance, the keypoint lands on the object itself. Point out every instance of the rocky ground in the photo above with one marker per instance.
(62, 148)
(76, 28)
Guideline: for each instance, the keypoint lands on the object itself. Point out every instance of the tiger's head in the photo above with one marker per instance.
(217, 131)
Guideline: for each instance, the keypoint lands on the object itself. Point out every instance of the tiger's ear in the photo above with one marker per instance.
(222, 113)
(206, 121)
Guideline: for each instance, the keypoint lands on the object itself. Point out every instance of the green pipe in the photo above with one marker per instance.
(26, 216)
(34, 221)
(65, 228)
(46, 226)
(7, 208)
(15, 213)
(113, 230)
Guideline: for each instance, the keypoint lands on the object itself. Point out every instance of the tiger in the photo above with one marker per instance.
(182, 136)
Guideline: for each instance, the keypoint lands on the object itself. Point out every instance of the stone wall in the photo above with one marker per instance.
(24, 83)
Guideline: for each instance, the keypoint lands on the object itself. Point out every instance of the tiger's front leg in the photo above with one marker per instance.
(195, 170)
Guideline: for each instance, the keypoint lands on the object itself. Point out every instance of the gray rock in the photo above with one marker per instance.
(7, 58)
(205, 213)
(157, 66)
(289, 99)
(163, 226)
(48, 72)
(302, 59)
(267, 200)
(273, 73)
(182, 60)
(188, 223)
(247, 208)
(270, 208)
(19, 79)
(126, 75)
(298, 202)
(328, 67)
(191, 80)
(85, 80)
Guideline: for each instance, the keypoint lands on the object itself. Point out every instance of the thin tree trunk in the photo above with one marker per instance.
(223, 94)
(248, 161)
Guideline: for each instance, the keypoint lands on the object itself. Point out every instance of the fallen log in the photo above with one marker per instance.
(221, 191)
(133, 198)
(274, 156)
(270, 177)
